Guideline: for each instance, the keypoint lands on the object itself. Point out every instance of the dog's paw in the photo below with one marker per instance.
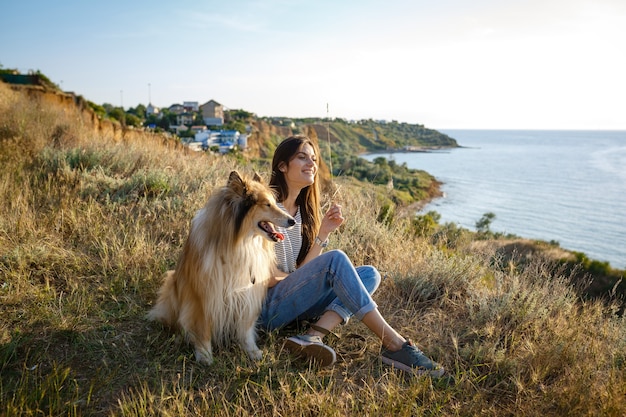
(204, 357)
(255, 354)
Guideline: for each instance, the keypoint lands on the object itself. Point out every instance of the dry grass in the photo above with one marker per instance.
(88, 224)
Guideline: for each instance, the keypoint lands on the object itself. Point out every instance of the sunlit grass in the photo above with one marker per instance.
(89, 222)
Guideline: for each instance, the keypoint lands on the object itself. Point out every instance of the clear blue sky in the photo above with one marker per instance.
(538, 64)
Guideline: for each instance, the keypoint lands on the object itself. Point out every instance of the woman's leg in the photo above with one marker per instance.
(331, 317)
(374, 321)
(330, 284)
(329, 281)
(396, 351)
(388, 336)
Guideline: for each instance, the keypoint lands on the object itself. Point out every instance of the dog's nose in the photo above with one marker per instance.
(291, 222)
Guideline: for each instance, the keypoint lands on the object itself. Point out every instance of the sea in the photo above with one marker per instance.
(563, 186)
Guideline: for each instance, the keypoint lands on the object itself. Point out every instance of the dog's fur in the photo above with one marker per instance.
(217, 290)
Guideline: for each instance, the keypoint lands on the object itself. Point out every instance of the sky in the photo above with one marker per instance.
(446, 64)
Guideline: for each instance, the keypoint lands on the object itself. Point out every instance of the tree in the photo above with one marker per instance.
(482, 225)
(98, 109)
(426, 224)
(139, 111)
(133, 120)
(237, 125)
(117, 113)
(237, 114)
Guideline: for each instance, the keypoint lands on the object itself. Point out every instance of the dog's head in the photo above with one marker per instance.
(256, 208)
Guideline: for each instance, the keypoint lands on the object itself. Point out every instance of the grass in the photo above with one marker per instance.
(89, 222)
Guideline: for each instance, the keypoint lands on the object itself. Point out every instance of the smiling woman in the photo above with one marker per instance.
(80, 269)
(324, 288)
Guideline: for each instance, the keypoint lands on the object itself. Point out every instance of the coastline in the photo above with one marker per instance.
(413, 149)
(553, 202)
(434, 193)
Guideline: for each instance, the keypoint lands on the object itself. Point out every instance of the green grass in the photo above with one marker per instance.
(88, 223)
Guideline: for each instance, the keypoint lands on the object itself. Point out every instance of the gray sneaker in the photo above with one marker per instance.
(410, 359)
(307, 346)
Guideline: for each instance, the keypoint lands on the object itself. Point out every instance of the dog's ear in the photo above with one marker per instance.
(240, 186)
(233, 177)
(235, 182)
(257, 177)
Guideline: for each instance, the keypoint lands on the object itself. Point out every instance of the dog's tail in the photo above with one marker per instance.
(165, 310)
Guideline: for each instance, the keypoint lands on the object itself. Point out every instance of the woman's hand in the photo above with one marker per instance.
(276, 276)
(331, 221)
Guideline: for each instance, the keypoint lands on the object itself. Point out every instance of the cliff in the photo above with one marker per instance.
(86, 116)
(340, 143)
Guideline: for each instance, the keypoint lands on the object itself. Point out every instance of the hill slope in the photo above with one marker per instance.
(90, 219)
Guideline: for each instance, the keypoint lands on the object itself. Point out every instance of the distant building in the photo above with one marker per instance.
(184, 119)
(176, 109)
(198, 129)
(225, 140)
(191, 106)
(178, 129)
(212, 113)
(282, 121)
(152, 110)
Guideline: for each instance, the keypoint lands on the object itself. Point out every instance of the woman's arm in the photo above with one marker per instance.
(276, 276)
(330, 222)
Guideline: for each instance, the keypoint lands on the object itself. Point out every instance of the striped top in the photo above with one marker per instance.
(287, 251)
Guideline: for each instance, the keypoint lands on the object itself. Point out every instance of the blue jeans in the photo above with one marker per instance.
(328, 282)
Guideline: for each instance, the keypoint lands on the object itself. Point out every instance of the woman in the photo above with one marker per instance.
(326, 287)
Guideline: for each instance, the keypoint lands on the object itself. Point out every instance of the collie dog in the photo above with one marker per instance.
(216, 292)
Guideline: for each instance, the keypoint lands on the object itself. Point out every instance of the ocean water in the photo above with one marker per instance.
(567, 186)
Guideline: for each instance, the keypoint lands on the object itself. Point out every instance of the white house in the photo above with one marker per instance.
(152, 110)
(224, 139)
(191, 106)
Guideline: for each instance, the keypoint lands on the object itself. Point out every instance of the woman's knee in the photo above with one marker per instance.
(337, 255)
(370, 277)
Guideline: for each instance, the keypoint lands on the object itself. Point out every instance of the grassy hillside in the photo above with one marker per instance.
(341, 143)
(90, 219)
(371, 136)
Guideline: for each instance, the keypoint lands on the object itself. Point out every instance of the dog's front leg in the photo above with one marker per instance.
(204, 352)
(247, 340)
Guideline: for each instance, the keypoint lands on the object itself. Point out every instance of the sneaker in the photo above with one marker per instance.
(410, 359)
(307, 346)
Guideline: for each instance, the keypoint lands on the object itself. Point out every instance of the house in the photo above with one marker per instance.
(198, 129)
(194, 146)
(152, 110)
(190, 106)
(226, 147)
(178, 129)
(176, 109)
(212, 113)
(224, 139)
(185, 119)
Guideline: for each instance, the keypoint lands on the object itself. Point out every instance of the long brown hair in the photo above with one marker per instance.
(309, 198)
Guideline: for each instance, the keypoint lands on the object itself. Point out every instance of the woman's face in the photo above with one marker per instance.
(301, 170)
